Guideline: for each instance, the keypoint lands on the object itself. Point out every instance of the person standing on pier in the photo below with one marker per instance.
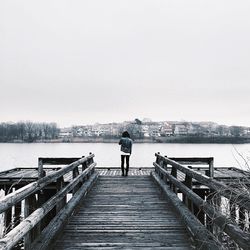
(126, 150)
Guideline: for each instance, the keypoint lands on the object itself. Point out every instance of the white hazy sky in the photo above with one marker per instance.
(86, 61)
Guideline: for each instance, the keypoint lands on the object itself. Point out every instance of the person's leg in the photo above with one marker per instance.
(122, 164)
(127, 164)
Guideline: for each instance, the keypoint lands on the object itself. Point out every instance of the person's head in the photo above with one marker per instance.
(126, 134)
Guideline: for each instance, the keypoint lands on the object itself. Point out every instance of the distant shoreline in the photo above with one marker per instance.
(171, 139)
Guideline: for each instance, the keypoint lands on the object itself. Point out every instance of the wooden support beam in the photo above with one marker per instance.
(199, 213)
(188, 182)
(17, 216)
(59, 185)
(211, 168)
(30, 206)
(174, 174)
(49, 193)
(75, 173)
(8, 213)
(41, 172)
(17, 212)
(84, 165)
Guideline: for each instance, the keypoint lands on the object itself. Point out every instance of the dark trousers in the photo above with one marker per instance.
(123, 157)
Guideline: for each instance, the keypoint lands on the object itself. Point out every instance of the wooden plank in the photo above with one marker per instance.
(8, 212)
(124, 212)
(30, 174)
(117, 172)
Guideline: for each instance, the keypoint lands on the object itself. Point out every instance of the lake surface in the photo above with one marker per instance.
(107, 154)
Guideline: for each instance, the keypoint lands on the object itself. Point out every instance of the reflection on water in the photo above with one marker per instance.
(107, 154)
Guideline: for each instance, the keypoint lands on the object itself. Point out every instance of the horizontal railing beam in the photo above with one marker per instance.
(219, 219)
(193, 160)
(50, 232)
(57, 161)
(223, 189)
(203, 238)
(20, 194)
(10, 239)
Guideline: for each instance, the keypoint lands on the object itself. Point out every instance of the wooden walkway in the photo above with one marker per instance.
(124, 213)
(152, 208)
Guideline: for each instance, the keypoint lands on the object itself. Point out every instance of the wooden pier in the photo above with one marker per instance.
(179, 203)
(124, 213)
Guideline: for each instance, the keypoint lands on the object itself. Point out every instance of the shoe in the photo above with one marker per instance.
(122, 174)
(126, 174)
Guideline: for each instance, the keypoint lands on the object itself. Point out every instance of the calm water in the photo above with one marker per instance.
(107, 154)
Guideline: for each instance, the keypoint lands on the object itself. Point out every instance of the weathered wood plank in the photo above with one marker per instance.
(124, 213)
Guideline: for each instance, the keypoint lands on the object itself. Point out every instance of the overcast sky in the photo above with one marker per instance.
(86, 61)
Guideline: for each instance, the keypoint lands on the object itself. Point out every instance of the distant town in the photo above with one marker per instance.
(144, 130)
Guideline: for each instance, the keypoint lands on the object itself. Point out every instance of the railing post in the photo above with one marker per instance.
(84, 166)
(46, 195)
(29, 207)
(91, 159)
(8, 212)
(157, 158)
(174, 174)
(41, 172)
(197, 211)
(59, 185)
(165, 164)
(211, 168)
(27, 238)
(188, 183)
(75, 173)
(17, 212)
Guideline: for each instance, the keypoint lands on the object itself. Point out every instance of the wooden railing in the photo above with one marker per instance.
(201, 213)
(46, 204)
